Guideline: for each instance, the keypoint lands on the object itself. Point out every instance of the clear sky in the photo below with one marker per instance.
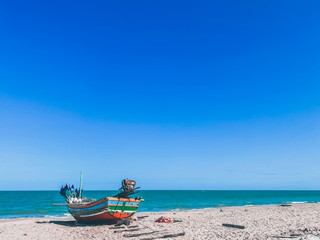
(174, 94)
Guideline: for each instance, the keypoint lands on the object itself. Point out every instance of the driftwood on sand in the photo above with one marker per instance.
(127, 230)
(293, 236)
(233, 226)
(121, 227)
(140, 234)
(285, 205)
(166, 236)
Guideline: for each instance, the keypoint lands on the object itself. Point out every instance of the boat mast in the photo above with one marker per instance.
(80, 185)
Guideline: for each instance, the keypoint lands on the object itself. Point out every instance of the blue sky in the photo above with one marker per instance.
(174, 94)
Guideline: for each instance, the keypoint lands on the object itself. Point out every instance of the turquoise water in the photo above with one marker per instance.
(16, 204)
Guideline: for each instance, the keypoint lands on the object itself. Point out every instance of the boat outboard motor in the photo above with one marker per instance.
(128, 187)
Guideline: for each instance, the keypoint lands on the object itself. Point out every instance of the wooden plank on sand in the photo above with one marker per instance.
(233, 226)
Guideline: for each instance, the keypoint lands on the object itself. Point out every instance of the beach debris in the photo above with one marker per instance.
(142, 217)
(282, 237)
(285, 205)
(124, 221)
(295, 235)
(177, 220)
(25, 234)
(127, 230)
(285, 236)
(310, 230)
(140, 234)
(174, 235)
(166, 236)
(233, 226)
(291, 234)
(123, 227)
(164, 220)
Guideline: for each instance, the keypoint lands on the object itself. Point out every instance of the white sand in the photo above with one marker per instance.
(300, 221)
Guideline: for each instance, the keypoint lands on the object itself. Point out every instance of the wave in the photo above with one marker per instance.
(65, 215)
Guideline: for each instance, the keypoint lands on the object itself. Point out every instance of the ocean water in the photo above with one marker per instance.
(17, 204)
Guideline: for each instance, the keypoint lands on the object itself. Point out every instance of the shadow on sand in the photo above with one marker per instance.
(73, 223)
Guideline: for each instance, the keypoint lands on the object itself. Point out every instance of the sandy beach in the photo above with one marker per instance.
(299, 221)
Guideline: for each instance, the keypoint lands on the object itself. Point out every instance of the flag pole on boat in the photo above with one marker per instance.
(80, 190)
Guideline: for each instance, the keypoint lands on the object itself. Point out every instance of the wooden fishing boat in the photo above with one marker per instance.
(105, 209)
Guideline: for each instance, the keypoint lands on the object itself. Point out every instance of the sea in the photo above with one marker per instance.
(22, 204)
